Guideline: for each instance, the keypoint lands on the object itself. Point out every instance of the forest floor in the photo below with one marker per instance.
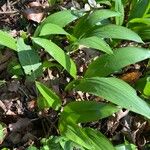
(24, 124)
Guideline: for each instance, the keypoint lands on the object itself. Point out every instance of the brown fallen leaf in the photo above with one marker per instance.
(131, 77)
(34, 12)
(34, 4)
(31, 105)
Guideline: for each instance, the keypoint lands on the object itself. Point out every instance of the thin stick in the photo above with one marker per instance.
(8, 12)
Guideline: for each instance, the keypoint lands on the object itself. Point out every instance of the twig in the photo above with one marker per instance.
(8, 12)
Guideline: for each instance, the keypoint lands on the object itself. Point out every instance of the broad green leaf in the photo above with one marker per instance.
(50, 28)
(140, 20)
(32, 148)
(86, 111)
(146, 90)
(99, 15)
(139, 9)
(119, 8)
(100, 142)
(144, 32)
(87, 138)
(29, 59)
(107, 64)
(140, 84)
(96, 43)
(7, 40)
(116, 91)
(14, 68)
(2, 132)
(116, 32)
(61, 18)
(126, 147)
(52, 143)
(75, 134)
(90, 20)
(50, 98)
(58, 54)
(42, 103)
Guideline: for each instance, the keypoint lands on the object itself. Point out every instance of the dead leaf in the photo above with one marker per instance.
(34, 4)
(34, 12)
(131, 77)
(32, 105)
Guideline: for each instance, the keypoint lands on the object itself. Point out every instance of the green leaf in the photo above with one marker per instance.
(58, 54)
(143, 31)
(50, 28)
(52, 143)
(52, 2)
(116, 32)
(7, 40)
(120, 8)
(139, 9)
(50, 98)
(14, 68)
(146, 90)
(2, 132)
(141, 20)
(32, 148)
(107, 64)
(75, 134)
(100, 142)
(116, 91)
(99, 15)
(140, 84)
(29, 59)
(92, 19)
(126, 147)
(96, 43)
(86, 111)
(87, 138)
(61, 18)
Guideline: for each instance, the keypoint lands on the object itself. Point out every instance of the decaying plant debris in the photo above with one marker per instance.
(74, 74)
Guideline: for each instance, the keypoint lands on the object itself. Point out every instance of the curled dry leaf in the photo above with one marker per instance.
(31, 105)
(131, 77)
(34, 12)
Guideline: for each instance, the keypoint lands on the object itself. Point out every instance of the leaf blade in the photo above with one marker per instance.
(51, 98)
(86, 111)
(116, 32)
(120, 8)
(116, 91)
(50, 28)
(58, 54)
(61, 18)
(107, 64)
(99, 140)
(90, 20)
(29, 59)
(7, 40)
(96, 43)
